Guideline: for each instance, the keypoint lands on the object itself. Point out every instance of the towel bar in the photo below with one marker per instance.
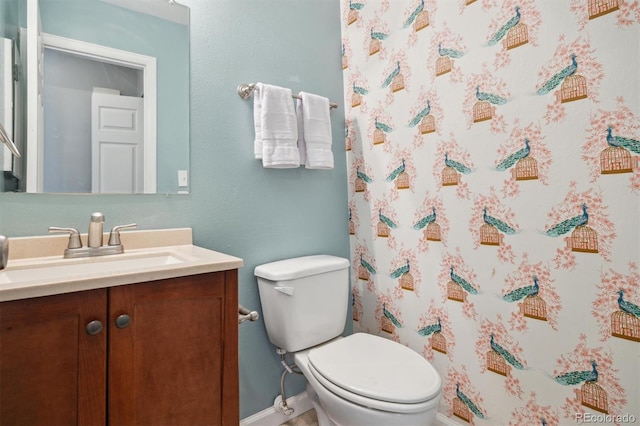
(244, 314)
(245, 91)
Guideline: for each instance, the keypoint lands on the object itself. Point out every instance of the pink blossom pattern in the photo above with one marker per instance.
(365, 265)
(501, 337)
(386, 302)
(382, 210)
(432, 316)
(397, 61)
(522, 277)
(534, 414)
(538, 152)
(461, 269)
(580, 359)
(425, 98)
(485, 81)
(588, 67)
(598, 221)
(430, 7)
(354, 221)
(426, 209)
(376, 25)
(606, 302)
(627, 13)
(530, 17)
(461, 380)
(484, 4)
(446, 39)
(380, 117)
(402, 158)
(622, 122)
(407, 260)
(361, 175)
(495, 209)
(357, 86)
(459, 154)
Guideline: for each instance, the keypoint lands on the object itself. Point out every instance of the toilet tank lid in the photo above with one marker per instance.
(300, 267)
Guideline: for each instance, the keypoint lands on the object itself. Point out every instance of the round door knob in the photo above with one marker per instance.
(123, 321)
(94, 327)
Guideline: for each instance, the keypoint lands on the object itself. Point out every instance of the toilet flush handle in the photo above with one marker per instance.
(286, 290)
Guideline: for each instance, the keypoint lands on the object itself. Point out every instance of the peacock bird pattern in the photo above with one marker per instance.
(521, 92)
(577, 377)
(505, 354)
(558, 78)
(390, 316)
(569, 224)
(513, 158)
(468, 402)
(498, 35)
(629, 144)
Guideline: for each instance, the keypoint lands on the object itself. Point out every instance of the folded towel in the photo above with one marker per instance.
(314, 131)
(276, 127)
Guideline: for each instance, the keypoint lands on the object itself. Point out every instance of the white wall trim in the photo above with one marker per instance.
(442, 420)
(270, 417)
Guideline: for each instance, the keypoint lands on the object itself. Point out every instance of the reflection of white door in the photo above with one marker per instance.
(35, 116)
(6, 99)
(117, 143)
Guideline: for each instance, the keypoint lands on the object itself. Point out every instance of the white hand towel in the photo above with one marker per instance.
(257, 120)
(278, 128)
(315, 133)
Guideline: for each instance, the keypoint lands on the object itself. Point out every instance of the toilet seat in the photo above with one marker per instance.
(375, 372)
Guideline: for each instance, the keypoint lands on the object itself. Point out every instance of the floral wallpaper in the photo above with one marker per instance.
(493, 153)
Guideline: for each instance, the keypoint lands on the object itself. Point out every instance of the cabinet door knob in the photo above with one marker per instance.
(123, 321)
(94, 327)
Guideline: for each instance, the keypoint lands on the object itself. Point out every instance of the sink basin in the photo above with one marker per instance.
(68, 269)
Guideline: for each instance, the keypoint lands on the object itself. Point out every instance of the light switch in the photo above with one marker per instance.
(183, 179)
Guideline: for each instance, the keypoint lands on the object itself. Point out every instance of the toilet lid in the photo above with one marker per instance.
(377, 368)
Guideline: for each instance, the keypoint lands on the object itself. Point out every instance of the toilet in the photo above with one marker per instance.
(361, 379)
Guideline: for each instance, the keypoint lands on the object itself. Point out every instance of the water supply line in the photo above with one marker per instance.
(288, 411)
(4, 138)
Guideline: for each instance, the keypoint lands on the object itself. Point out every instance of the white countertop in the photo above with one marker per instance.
(154, 255)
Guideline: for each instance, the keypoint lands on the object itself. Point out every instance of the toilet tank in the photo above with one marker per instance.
(304, 300)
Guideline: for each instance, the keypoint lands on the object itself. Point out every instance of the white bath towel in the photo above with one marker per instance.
(276, 131)
(314, 131)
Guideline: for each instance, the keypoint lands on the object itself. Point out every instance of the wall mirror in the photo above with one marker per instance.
(95, 94)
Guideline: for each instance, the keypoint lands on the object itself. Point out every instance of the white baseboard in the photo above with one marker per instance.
(301, 404)
(442, 420)
(270, 417)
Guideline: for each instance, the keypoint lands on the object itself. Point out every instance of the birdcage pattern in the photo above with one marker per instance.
(616, 159)
(602, 7)
(422, 21)
(470, 1)
(460, 409)
(573, 88)
(402, 181)
(374, 46)
(450, 176)
(428, 124)
(489, 235)
(455, 292)
(594, 397)
(345, 62)
(625, 326)
(348, 145)
(407, 281)
(360, 185)
(526, 169)
(497, 364)
(379, 137)
(383, 229)
(517, 36)
(352, 17)
(534, 307)
(387, 325)
(355, 315)
(356, 100)
(439, 342)
(584, 240)
(363, 274)
(352, 228)
(397, 83)
(432, 232)
(482, 111)
(443, 65)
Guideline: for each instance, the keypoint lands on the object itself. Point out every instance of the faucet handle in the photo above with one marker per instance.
(74, 236)
(114, 235)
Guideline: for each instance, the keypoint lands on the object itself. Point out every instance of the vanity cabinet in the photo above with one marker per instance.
(166, 354)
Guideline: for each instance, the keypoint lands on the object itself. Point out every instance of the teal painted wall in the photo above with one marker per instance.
(235, 205)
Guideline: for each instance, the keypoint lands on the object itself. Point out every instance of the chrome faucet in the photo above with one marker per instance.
(95, 245)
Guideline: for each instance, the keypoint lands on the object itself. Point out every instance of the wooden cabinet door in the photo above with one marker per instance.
(176, 362)
(51, 371)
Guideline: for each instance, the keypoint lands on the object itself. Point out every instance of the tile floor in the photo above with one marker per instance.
(307, 419)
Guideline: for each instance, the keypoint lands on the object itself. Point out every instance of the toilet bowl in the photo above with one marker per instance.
(360, 379)
(368, 380)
